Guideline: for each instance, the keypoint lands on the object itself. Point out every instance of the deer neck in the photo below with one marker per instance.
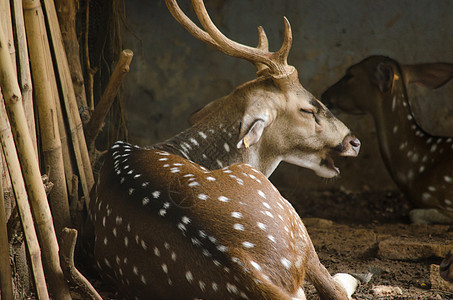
(214, 146)
(401, 139)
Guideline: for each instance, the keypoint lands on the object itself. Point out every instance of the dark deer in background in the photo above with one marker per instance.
(183, 220)
(419, 163)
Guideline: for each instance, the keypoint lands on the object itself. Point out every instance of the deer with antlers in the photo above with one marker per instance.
(195, 216)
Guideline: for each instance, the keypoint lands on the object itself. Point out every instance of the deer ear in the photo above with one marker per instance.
(433, 75)
(383, 76)
(253, 133)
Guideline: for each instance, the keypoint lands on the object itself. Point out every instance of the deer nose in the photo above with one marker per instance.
(351, 146)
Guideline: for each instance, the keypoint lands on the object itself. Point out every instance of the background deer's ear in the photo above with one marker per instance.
(383, 76)
(433, 75)
(251, 134)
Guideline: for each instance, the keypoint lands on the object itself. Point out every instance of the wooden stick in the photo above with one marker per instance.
(30, 167)
(72, 112)
(23, 206)
(6, 280)
(97, 119)
(67, 12)
(45, 88)
(73, 275)
(24, 70)
(89, 71)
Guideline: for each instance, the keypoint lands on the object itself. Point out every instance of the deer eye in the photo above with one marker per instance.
(306, 111)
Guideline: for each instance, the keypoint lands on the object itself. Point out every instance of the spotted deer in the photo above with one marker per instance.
(419, 163)
(195, 216)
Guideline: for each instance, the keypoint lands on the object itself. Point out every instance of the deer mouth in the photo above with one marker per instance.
(328, 163)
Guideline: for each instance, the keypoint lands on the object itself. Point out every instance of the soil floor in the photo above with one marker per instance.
(370, 233)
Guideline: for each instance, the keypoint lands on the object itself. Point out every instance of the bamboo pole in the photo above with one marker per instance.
(19, 250)
(74, 121)
(45, 97)
(23, 206)
(33, 181)
(102, 108)
(67, 12)
(67, 161)
(24, 70)
(6, 280)
(5, 19)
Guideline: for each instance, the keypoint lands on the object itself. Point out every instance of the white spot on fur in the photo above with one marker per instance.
(223, 199)
(255, 265)
(239, 227)
(189, 276)
(286, 263)
(248, 245)
(236, 214)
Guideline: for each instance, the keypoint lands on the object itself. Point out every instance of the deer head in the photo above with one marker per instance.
(269, 119)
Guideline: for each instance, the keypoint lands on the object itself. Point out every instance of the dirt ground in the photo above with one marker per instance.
(361, 233)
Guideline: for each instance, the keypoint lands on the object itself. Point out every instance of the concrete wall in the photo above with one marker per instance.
(173, 74)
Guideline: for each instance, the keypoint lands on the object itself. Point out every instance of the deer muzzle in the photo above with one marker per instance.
(350, 146)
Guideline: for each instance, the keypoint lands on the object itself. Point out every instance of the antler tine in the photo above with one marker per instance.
(190, 26)
(283, 52)
(263, 44)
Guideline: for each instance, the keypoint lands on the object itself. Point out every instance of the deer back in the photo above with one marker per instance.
(206, 231)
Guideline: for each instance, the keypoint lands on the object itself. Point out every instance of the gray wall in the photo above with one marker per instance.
(173, 74)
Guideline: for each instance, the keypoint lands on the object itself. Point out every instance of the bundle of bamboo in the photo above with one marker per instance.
(27, 150)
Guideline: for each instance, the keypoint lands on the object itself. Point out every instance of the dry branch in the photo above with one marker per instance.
(6, 283)
(68, 241)
(103, 107)
(23, 205)
(31, 172)
(46, 99)
(70, 103)
(67, 11)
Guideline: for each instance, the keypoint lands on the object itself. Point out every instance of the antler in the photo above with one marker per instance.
(275, 61)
